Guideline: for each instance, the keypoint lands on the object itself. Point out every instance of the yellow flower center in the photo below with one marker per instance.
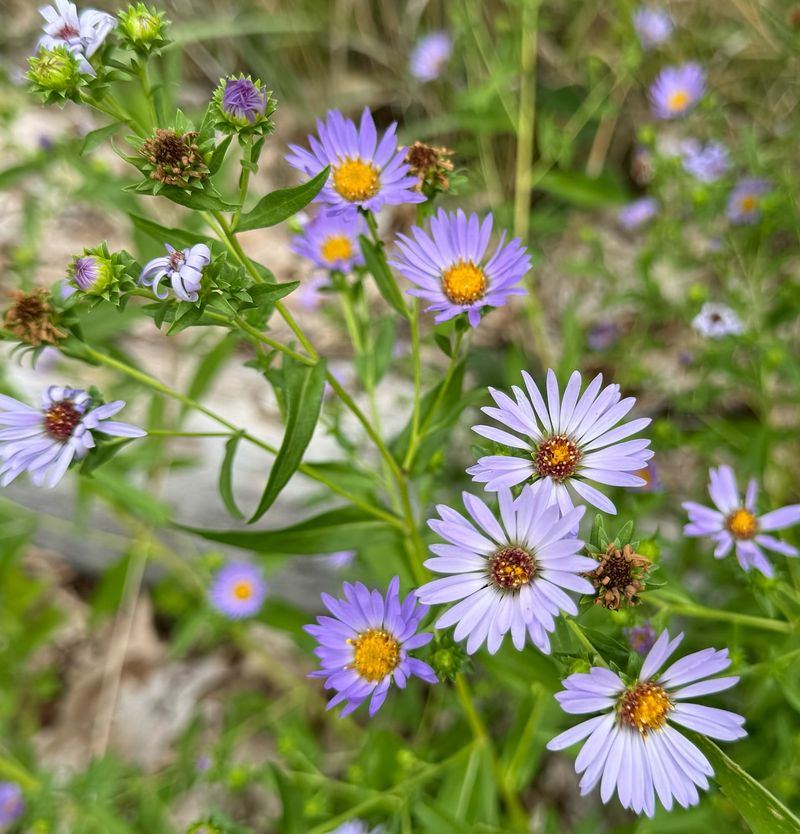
(511, 568)
(356, 180)
(557, 457)
(742, 523)
(336, 248)
(243, 589)
(464, 283)
(678, 100)
(748, 203)
(376, 654)
(644, 707)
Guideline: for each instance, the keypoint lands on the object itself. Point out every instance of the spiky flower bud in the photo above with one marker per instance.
(55, 74)
(142, 28)
(243, 105)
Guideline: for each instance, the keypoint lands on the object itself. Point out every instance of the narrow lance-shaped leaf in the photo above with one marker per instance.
(226, 476)
(379, 269)
(282, 204)
(305, 385)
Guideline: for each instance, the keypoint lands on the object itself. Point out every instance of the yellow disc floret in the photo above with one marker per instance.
(356, 180)
(748, 203)
(557, 457)
(645, 707)
(336, 248)
(375, 654)
(678, 101)
(243, 589)
(742, 523)
(464, 283)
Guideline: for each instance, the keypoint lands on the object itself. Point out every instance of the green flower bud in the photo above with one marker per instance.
(91, 273)
(204, 827)
(142, 28)
(243, 105)
(55, 73)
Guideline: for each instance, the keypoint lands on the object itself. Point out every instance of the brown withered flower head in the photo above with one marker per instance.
(30, 318)
(174, 157)
(431, 166)
(619, 577)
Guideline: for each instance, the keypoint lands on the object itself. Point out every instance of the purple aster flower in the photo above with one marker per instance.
(507, 576)
(44, 441)
(183, 267)
(341, 560)
(735, 522)
(566, 443)
(83, 35)
(238, 590)
(603, 335)
(653, 26)
(706, 163)
(203, 763)
(632, 747)
(717, 320)
(429, 56)
(11, 803)
(649, 474)
(677, 90)
(365, 645)
(243, 101)
(356, 827)
(331, 241)
(744, 202)
(365, 173)
(451, 270)
(638, 213)
(641, 638)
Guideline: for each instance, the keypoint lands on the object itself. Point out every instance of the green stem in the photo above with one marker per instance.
(147, 89)
(108, 106)
(690, 609)
(11, 770)
(526, 114)
(415, 355)
(585, 641)
(244, 180)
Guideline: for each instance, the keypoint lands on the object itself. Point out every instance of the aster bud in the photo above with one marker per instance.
(448, 659)
(243, 105)
(99, 274)
(55, 73)
(142, 29)
(32, 319)
(90, 273)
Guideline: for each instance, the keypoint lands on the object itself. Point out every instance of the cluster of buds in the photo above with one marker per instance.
(32, 319)
(431, 166)
(619, 577)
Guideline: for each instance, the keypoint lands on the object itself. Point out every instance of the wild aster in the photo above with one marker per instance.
(31, 318)
(11, 803)
(677, 90)
(341, 560)
(90, 273)
(717, 320)
(652, 480)
(365, 173)
(653, 26)
(507, 576)
(430, 55)
(365, 645)
(331, 241)
(451, 270)
(744, 202)
(602, 335)
(83, 35)
(632, 747)
(567, 442)
(706, 163)
(638, 214)
(309, 295)
(238, 590)
(242, 100)
(641, 638)
(735, 523)
(45, 441)
(356, 827)
(183, 267)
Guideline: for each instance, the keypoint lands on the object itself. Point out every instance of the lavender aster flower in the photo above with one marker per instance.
(365, 173)
(677, 90)
(653, 26)
(365, 645)
(566, 443)
(734, 522)
(632, 747)
(451, 270)
(706, 163)
(638, 213)
(183, 267)
(602, 335)
(83, 35)
(356, 827)
(341, 560)
(508, 576)
(45, 441)
(242, 100)
(650, 476)
(331, 241)
(744, 202)
(641, 638)
(717, 320)
(11, 803)
(429, 56)
(238, 590)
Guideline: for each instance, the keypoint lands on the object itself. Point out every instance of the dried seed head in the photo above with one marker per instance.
(431, 166)
(31, 318)
(175, 158)
(619, 577)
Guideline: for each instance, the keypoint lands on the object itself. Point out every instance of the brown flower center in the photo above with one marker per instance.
(619, 577)
(511, 568)
(557, 457)
(742, 523)
(66, 32)
(175, 157)
(464, 283)
(376, 654)
(356, 180)
(644, 707)
(61, 419)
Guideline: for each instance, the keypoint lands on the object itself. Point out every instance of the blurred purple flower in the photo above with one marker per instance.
(12, 804)
(330, 241)
(653, 26)
(641, 637)
(677, 90)
(638, 214)
(744, 202)
(238, 590)
(716, 320)
(706, 163)
(602, 335)
(429, 56)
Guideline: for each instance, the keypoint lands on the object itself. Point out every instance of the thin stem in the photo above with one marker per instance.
(415, 355)
(701, 613)
(526, 114)
(147, 89)
(108, 106)
(244, 179)
(585, 641)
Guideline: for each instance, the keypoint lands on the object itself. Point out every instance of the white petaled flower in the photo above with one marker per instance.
(183, 267)
(507, 575)
(82, 34)
(567, 442)
(632, 747)
(717, 320)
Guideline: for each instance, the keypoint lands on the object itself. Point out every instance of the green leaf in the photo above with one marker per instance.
(265, 294)
(346, 528)
(375, 260)
(304, 387)
(282, 204)
(209, 366)
(292, 801)
(97, 137)
(226, 476)
(179, 238)
(763, 812)
(579, 189)
(218, 156)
